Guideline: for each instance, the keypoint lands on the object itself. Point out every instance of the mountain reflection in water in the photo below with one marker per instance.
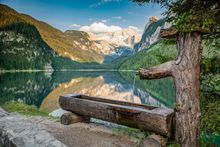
(43, 89)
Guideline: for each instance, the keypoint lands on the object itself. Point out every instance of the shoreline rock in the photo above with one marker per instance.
(35, 131)
(21, 131)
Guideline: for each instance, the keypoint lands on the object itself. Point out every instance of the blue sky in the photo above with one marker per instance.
(73, 14)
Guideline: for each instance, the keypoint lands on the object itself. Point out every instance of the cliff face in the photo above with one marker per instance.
(151, 33)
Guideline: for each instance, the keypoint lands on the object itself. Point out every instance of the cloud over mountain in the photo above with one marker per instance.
(117, 17)
(75, 25)
(135, 28)
(100, 27)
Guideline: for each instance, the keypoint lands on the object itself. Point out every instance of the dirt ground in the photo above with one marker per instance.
(89, 135)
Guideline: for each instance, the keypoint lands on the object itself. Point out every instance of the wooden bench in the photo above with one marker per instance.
(150, 118)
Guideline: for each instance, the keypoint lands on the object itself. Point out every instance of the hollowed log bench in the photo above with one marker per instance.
(149, 118)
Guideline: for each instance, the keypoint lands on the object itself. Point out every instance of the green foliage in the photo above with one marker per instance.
(173, 144)
(210, 83)
(210, 65)
(211, 56)
(210, 118)
(210, 104)
(184, 22)
(21, 47)
(191, 15)
(23, 109)
(156, 54)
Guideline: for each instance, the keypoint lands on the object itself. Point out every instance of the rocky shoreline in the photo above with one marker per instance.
(35, 131)
(18, 130)
(29, 131)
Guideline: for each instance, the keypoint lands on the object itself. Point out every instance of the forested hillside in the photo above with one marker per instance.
(21, 47)
(165, 50)
(61, 43)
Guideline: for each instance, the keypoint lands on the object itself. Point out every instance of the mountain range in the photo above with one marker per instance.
(110, 45)
(108, 42)
(27, 43)
(75, 45)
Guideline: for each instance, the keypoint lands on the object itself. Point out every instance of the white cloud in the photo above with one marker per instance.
(102, 2)
(117, 17)
(104, 20)
(75, 25)
(135, 28)
(100, 27)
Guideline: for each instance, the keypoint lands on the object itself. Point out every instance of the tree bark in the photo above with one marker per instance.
(186, 72)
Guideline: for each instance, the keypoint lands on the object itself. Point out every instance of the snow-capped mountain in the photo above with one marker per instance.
(110, 42)
(110, 45)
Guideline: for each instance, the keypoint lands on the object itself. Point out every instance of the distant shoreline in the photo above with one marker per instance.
(86, 70)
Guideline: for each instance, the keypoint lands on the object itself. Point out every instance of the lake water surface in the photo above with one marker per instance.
(43, 89)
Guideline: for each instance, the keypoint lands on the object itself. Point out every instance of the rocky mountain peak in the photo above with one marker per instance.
(153, 18)
(151, 33)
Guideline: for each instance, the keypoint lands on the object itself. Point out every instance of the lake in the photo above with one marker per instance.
(43, 89)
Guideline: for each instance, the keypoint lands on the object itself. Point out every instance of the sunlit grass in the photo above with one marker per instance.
(24, 109)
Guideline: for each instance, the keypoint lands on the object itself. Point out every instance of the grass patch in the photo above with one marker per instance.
(24, 109)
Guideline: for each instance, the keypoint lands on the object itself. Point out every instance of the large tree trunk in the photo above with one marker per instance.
(186, 71)
(186, 75)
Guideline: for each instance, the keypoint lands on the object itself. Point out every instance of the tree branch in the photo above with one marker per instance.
(157, 72)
